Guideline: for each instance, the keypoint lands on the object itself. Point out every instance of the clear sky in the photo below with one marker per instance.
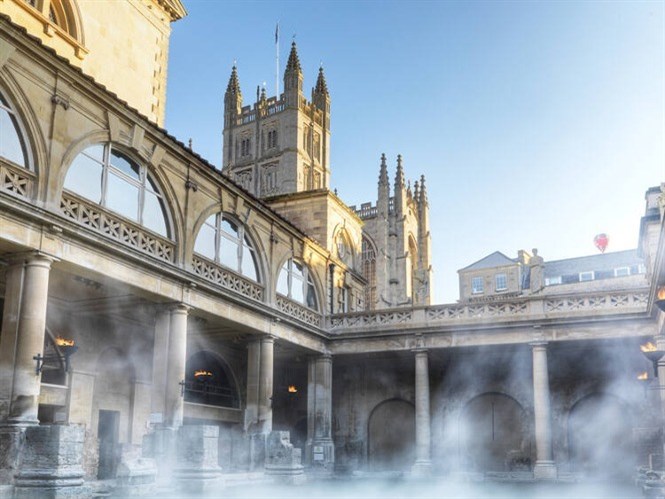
(536, 124)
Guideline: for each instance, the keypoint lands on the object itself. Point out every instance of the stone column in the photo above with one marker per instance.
(320, 448)
(160, 352)
(423, 464)
(545, 468)
(175, 369)
(258, 414)
(266, 384)
(30, 340)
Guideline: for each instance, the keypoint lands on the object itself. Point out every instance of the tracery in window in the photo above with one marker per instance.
(369, 272)
(12, 144)
(226, 242)
(107, 176)
(295, 283)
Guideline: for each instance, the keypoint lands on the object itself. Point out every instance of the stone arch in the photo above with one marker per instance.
(219, 388)
(68, 18)
(494, 434)
(102, 137)
(391, 436)
(260, 253)
(341, 236)
(316, 283)
(29, 127)
(599, 430)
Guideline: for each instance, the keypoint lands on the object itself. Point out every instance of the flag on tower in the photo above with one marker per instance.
(276, 33)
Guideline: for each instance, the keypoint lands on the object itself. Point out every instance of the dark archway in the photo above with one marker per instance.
(208, 380)
(391, 435)
(494, 434)
(600, 436)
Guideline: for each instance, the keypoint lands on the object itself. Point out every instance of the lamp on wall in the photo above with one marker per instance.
(660, 298)
(65, 348)
(651, 352)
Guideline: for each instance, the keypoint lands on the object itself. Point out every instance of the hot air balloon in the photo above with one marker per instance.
(601, 241)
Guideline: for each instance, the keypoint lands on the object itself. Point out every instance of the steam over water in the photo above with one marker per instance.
(429, 489)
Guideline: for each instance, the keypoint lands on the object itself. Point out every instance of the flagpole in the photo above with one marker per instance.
(277, 61)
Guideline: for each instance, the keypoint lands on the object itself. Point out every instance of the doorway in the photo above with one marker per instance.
(109, 447)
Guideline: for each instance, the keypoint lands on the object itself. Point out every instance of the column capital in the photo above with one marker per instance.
(420, 350)
(179, 308)
(539, 344)
(30, 258)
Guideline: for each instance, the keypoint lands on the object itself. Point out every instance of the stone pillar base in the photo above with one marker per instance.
(257, 451)
(421, 468)
(11, 442)
(545, 470)
(283, 461)
(51, 463)
(321, 457)
(198, 470)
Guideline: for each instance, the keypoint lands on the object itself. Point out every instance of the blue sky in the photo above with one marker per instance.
(536, 124)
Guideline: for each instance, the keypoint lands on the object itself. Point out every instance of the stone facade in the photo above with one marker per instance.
(200, 308)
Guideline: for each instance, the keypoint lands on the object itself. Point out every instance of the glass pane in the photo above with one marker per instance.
(122, 197)
(124, 164)
(96, 152)
(297, 270)
(85, 178)
(283, 281)
(11, 146)
(228, 254)
(248, 264)
(297, 291)
(311, 296)
(205, 241)
(229, 228)
(154, 217)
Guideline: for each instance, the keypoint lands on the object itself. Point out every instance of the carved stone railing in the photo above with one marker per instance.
(523, 309)
(16, 180)
(98, 219)
(602, 302)
(298, 311)
(226, 278)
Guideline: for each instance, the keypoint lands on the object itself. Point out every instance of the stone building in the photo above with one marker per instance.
(159, 311)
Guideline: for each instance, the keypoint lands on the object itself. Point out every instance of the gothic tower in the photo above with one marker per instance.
(279, 145)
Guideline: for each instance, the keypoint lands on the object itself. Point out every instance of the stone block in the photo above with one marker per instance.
(11, 442)
(51, 462)
(283, 461)
(197, 468)
(136, 477)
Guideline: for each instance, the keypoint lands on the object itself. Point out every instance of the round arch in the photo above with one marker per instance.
(31, 132)
(391, 436)
(316, 283)
(259, 249)
(599, 431)
(101, 137)
(210, 380)
(344, 247)
(494, 434)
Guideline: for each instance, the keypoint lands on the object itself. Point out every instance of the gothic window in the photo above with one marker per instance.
(245, 147)
(295, 283)
(272, 139)
(269, 179)
(317, 146)
(12, 143)
(317, 180)
(369, 272)
(226, 242)
(105, 175)
(343, 247)
(244, 179)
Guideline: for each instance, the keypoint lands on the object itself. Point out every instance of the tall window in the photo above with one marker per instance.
(477, 285)
(501, 282)
(226, 242)
(109, 177)
(272, 139)
(295, 283)
(245, 147)
(369, 272)
(12, 145)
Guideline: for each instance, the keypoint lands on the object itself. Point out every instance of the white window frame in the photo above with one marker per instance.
(621, 271)
(552, 281)
(306, 280)
(475, 289)
(505, 282)
(7, 106)
(583, 276)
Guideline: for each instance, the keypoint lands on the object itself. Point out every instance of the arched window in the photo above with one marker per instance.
(60, 13)
(295, 283)
(208, 380)
(107, 176)
(226, 242)
(343, 247)
(12, 144)
(369, 272)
